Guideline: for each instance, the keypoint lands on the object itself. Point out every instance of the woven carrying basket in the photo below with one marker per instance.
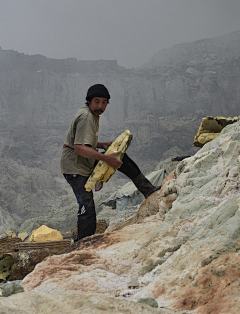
(7, 244)
(54, 246)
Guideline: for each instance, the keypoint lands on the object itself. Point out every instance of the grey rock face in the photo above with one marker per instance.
(25, 193)
(47, 94)
(62, 218)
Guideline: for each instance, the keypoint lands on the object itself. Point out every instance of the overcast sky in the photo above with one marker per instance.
(130, 31)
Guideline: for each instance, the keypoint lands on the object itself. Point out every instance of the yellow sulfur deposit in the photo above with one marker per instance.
(9, 233)
(103, 172)
(210, 128)
(23, 235)
(44, 233)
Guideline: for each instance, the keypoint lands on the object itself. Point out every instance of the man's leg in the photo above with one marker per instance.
(131, 170)
(129, 167)
(86, 224)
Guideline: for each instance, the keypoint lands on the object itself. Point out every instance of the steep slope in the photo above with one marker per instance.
(186, 256)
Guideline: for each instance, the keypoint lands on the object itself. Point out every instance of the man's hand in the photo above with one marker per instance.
(112, 160)
(104, 145)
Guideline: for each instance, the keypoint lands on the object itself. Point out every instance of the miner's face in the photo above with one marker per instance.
(98, 105)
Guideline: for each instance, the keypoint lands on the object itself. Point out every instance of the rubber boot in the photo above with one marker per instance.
(144, 185)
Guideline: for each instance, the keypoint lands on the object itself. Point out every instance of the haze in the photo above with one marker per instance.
(130, 31)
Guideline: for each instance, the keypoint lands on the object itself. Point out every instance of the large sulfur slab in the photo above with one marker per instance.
(210, 128)
(103, 172)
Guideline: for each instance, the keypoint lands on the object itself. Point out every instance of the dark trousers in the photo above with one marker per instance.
(86, 223)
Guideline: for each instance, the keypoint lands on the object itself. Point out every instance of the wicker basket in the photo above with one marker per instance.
(54, 246)
(7, 244)
(101, 226)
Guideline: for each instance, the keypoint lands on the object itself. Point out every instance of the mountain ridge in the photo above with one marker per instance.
(218, 47)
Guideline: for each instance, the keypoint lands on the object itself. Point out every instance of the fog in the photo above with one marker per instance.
(130, 31)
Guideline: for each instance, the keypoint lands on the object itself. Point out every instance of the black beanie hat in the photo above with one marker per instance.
(97, 90)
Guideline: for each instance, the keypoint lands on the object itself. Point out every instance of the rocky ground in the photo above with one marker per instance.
(182, 246)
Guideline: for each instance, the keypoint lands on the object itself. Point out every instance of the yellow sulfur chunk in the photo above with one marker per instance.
(103, 172)
(23, 235)
(44, 233)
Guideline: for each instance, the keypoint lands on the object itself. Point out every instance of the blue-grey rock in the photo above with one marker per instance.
(12, 287)
(149, 301)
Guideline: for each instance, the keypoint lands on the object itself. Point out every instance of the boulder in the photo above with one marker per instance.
(149, 301)
(12, 287)
(44, 233)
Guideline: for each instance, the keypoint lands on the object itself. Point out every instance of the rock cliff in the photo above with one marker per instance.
(191, 79)
(186, 256)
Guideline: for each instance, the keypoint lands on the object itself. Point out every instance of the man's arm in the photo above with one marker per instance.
(89, 152)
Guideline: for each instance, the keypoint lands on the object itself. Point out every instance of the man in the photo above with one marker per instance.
(79, 155)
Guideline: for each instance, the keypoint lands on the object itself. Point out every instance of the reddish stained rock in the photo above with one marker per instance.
(152, 205)
(86, 257)
(169, 199)
(149, 207)
(212, 291)
(63, 265)
(58, 269)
